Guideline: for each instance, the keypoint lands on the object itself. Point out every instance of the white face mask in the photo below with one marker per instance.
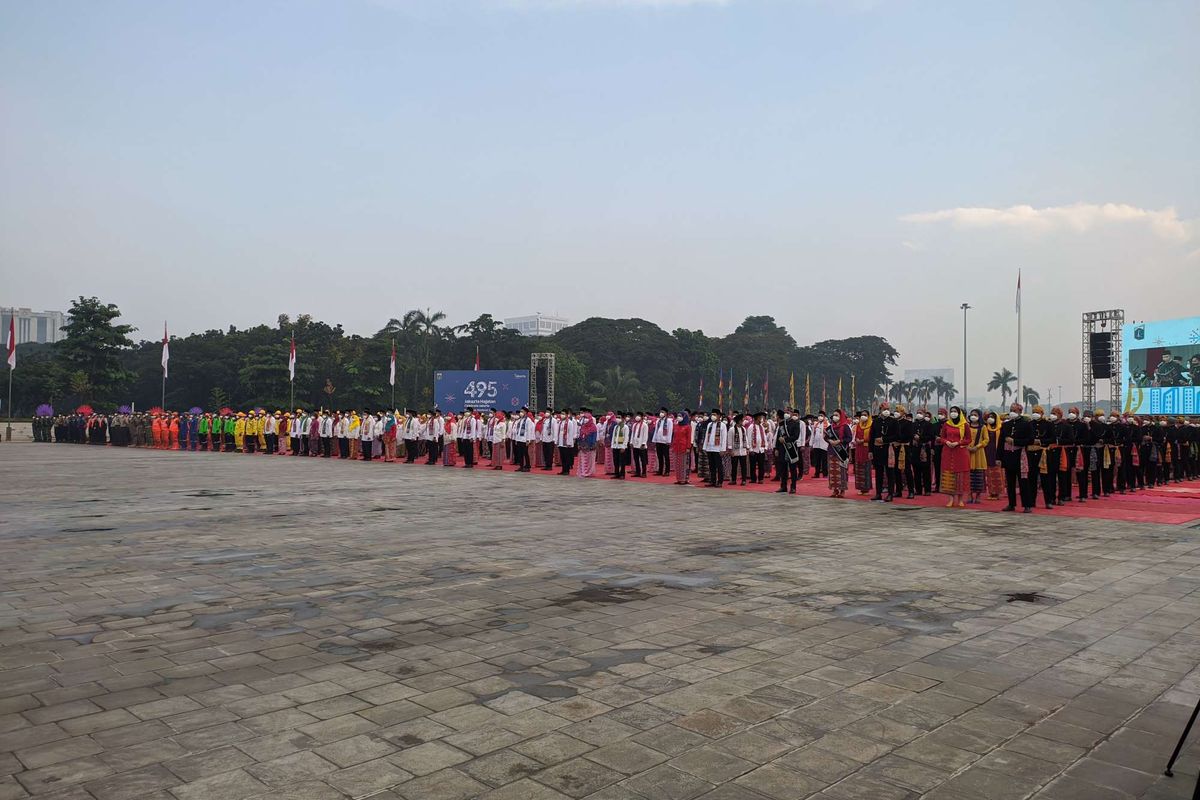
(1072, 416)
(864, 418)
(973, 418)
(662, 414)
(713, 417)
(1163, 423)
(836, 418)
(1054, 417)
(821, 417)
(1013, 415)
(1087, 419)
(1037, 415)
(638, 418)
(953, 415)
(1112, 419)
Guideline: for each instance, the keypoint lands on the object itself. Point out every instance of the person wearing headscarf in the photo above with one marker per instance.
(681, 447)
(956, 458)
(839, 438)
(449, 440)
(862, 452)
(589, 433)
(977, 444)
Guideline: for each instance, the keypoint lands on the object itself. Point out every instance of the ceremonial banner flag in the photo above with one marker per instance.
(1018, 291)
(166, 353)
(839, 391)
(746, 394)
(792, 391)
(12, 341)
(477, 358)
(720, 387)
(292, 360)
(700, 401)
(766, 379)
(807, 393)
(392, 366)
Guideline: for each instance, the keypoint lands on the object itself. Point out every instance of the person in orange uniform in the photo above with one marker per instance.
(172, 432)
(157, 432)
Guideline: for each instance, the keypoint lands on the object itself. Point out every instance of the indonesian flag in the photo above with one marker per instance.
(292, 360)
(12, 341)
(1018, 291)
(392, 365)
(166, 354)
(477, 358)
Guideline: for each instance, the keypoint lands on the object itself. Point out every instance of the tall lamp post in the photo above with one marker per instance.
(965, 308)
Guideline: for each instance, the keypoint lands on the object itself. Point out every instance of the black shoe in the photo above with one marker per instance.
(1027, 511)
(781, 491)
(1009, 508)
(792, 490)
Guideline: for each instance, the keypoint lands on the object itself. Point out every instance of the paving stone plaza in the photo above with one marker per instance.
(182, 626)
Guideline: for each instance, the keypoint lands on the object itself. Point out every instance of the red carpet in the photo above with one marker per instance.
(1175, 504)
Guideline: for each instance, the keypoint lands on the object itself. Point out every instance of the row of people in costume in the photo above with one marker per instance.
(969, 456)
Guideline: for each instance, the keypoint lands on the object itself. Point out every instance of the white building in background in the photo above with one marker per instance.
(43, 327)
(537, 324)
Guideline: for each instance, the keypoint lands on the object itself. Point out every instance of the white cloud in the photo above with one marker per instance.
(1078, 218)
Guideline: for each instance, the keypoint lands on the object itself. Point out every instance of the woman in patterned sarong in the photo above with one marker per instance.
(956, 460)
(978, 436)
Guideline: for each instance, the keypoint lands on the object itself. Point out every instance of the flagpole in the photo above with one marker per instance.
(12, 333)
(393, 375)
(1020, 382)
(8, 427)
(163, 400)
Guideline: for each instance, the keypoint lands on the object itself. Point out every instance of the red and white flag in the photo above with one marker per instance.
(292, 360)
(1018, 291)
(166, 354)
(392, 365)
(477, 358)
(12, 341)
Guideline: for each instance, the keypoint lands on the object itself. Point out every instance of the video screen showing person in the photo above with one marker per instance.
(1166, 366)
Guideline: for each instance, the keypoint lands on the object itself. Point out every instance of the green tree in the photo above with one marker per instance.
(1002, 380)
(94, 345)
(1031, 398)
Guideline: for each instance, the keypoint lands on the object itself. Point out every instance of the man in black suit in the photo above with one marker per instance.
(1016, 434)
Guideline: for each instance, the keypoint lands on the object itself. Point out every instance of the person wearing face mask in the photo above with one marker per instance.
(739, 450)
(956, 457)
(618, 443)
(977, 443)
(681, 448)
(700, 424)
(787, 451)
(588, 436)
(1039, 464)
(819, 446)
(1055, 439)
(566, 432)
(1130, 473)
(925, 436)
(839, 438)
(992, 452)
(639, 440)
(936, 423)
(543, 432)
(1016, 434)
(1087, 437)
(862, 452)
(883, 433)
(757, 441)
(901, 436)
(715, 443)
(1100, 463)
(1180, 442)
(664, 429)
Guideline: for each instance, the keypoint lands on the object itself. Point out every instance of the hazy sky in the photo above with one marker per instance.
(847, 167)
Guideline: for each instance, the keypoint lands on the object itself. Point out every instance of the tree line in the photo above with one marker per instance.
(605, 363)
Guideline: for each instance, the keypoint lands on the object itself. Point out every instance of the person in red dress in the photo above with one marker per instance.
(956, 459)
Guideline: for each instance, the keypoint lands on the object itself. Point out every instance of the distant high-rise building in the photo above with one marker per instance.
(43, 327)
(537, 324)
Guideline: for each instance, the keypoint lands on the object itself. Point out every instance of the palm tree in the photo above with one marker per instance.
(1002, 380)
(948, 391)
(620, 390)
(924, 390)
(1032, 398)
(897, 391)
(939, 388)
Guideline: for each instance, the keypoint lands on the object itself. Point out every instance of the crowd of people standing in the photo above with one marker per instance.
(970, 456)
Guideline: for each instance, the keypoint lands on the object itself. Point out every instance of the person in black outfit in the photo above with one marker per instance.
(882, 429)
(1046, 432)
(921, 452)
(1059, 456)
(901, 439)
(787, 457)
(1016, 434)
(936, 422)
(1123, 433)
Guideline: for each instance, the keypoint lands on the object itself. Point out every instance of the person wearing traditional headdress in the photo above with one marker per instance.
(618, 443)
(898, 435)
(639, 443)
(956, 457)
(920, 455)
(1016, 434)
(739, 449)
(662, 437)
(586, 439)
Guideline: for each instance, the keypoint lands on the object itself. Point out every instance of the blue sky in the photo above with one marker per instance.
(847, 167)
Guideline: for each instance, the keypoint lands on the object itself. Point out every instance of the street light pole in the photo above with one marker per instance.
(965, 308)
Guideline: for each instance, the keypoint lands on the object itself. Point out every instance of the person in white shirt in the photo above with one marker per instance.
(413, 426)
(470, 431)
(547, 433)
(366, 434)
(739, 449)
(341, 430)
(664, 428)
(271, 432)
(499, 425)
(566, 430)
(820, 447)
(294, 431)
(618, 443)
(522, 435)
(325, 431)
(639, 439)
(716, 441)
(758, 437)
(435, 431)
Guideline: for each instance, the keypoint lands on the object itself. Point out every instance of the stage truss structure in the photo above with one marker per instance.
(541, 360)
(1103, 322)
